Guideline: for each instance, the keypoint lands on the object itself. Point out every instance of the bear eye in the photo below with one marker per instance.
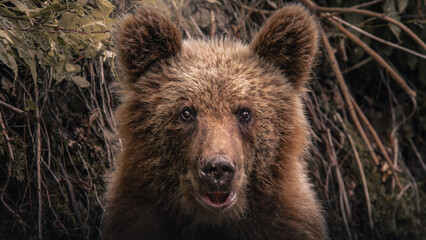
(244, 115)
(187, 115)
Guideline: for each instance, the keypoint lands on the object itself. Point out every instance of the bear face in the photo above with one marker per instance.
(214, 133)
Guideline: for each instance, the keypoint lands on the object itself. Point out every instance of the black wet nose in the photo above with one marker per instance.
(218, 171)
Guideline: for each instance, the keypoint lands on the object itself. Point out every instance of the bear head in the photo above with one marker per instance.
(213, 129)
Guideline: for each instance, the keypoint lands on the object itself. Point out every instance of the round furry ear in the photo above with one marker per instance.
(289, 39)
(144, 38)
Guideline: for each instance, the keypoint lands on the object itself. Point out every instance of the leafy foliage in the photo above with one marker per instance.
(43, 35)
(55, 149)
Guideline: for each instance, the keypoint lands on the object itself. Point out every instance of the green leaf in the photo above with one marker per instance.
(82, 2)
(102, 19)
(90, 52)
(411, 61)
(105, 6)
(80, 81)
(70, 67)
(358, 53)
(68, 20)
(54, 7)
(28, 55)
(8, 60)
(21, 6)
(389, 7)
(31, 106)
(395, 30)
(4, 34)
(402, 4)
(58, 62)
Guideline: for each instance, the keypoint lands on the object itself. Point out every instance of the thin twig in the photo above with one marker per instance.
(417, 153)
(398, 197)
(213, 23)
(242, 23)
(364, 181)
(344, 201)
(358, 65)
(101, 74)
(11, 156)
(376, 57)
(70, 192)
(381, 16)
(38, 161)
(367, 4)
(51, 207)
(395, 153)
(380, 39)
(405, 117)
(374, 134)
(80, 58)
(13, 108)
(107, 108)
(61, 29)
(196, 26)
(347, 96)
(254, 9)
(9, 171)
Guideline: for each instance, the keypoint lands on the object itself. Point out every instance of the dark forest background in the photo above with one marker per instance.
(367, 106)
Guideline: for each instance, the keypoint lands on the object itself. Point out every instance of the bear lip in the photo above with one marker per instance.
(217, 200)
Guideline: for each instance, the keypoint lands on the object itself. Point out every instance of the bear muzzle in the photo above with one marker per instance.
(216, 174)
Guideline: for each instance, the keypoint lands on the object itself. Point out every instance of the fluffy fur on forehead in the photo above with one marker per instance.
(214, 71)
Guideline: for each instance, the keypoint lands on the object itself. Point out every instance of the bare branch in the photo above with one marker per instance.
(59, 28)
(381, 16)
(380, 39)
(367, 4)
(376, 57)
(13, 108)
(339, 76)
(364, 181)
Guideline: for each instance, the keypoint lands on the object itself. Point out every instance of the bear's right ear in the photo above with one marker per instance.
(144, 38)
(289, 40)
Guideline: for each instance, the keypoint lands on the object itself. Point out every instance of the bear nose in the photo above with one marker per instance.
(217, 171)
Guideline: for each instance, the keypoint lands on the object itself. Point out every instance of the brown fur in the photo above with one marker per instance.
(290, 40)
(153, 192)
(145, 39)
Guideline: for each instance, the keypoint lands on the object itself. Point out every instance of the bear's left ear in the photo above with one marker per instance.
(144, 38)
(289, 39)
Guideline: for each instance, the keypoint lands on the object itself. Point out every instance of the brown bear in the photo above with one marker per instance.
(214, 133)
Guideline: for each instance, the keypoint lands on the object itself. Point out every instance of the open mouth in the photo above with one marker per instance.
(217, 200)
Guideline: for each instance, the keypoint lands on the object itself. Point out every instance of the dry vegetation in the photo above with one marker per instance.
(367, 105)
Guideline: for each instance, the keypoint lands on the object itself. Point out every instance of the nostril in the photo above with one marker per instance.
(228, 168)
(219, 167)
